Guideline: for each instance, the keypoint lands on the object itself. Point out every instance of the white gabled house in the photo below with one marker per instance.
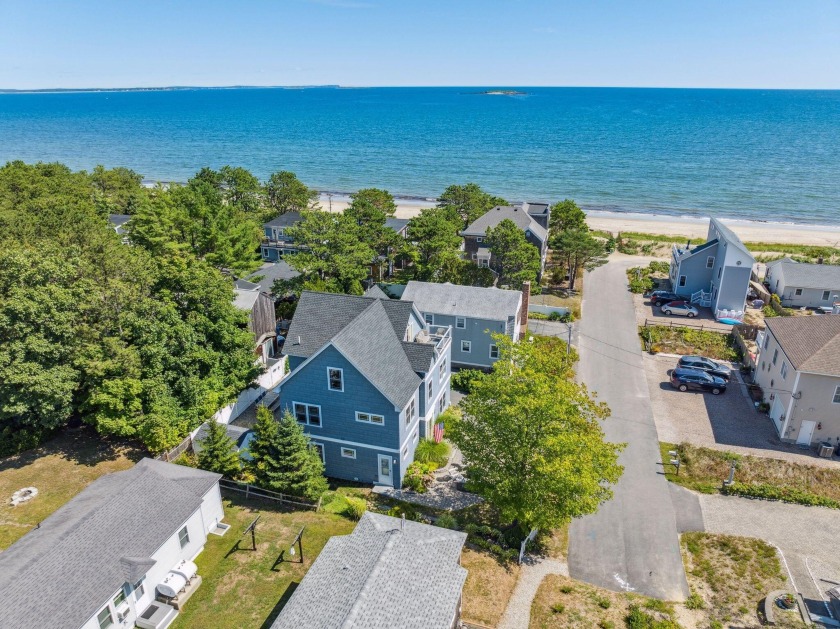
(102, 559)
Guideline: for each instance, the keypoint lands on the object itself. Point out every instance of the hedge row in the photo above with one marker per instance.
(766, 491)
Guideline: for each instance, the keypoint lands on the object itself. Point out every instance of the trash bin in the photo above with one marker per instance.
(826, 450)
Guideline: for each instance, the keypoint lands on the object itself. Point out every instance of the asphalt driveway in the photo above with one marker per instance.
(631, 543)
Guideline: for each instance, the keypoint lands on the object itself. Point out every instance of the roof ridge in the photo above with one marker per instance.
(361, 599)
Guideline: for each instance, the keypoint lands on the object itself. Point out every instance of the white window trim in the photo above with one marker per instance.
(490, 353)
(110, 616)
(826, 295)
(405, 452)
(775, 356)
(186, 530)
(341, 372)
(784, 370)
(797, 292)
(430, 388)
(442, 371)
(323, 450)
(410, 410)
(710, 262)
(682, 281)
(468, 350)
(463, 320)
(429, 318)
(368, 421)
(345, 451)
(307, 407)
(836, 392)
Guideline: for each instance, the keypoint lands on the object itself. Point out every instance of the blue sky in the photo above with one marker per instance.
(663, 43)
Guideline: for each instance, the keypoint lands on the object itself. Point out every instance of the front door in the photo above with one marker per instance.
(806, 431)
(386, 474)
(776, 414)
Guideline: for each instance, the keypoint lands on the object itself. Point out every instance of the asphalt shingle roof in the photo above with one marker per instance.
(811, 343)
(494, 304)
(271, 271)
(61, 573)
(397, 224)
(730, 236)
(284, 220)
(381, 576)
(501, 212)
(801, 275)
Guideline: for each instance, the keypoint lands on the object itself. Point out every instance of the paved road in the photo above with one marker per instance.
(631, 543)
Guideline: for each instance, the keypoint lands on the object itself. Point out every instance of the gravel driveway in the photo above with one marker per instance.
(725, 422)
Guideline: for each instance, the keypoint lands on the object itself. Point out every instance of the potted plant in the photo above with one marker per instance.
(786, 601)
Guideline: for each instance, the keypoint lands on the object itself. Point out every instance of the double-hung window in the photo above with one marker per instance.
(370, 418)
(319, 449)
(494, 352)
(682, 280)
(836, 395)
(429, 390)
(409, 412)
(430, 318)
(184, 537)
(442, 371)
(460, 322)
(335, 379)
(466, 346)
(139, 590)
(710, 262)
(308, 414)
(104, 618)
(775, 355)
(119, 598)
(784, 369)
(826, 295)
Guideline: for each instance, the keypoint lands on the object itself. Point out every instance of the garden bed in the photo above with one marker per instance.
(684, 340)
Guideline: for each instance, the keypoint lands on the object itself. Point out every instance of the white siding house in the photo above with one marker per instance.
(800, 285)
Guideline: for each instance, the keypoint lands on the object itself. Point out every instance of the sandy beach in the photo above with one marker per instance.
(693, 228)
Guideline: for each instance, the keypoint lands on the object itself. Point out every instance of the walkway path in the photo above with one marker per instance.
(631, 543)
(534, 569)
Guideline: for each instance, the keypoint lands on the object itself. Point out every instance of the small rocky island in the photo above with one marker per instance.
(504, 93)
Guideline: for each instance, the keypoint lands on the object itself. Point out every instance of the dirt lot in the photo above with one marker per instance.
(724, 422)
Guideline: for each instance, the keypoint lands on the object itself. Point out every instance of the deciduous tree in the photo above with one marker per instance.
(532, 440)
(287, 193)
(516, 259)
(468, 201)
(567, 215)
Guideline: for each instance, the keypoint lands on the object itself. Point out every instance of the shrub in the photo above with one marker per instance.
(769, 312)
(695, 601)
(400, 510)
(447, 521)
(766, 491)
(463, 380)
(419, 476)
(434, 453)
(603, 602)
(606, 624)
(355, 508)
(538, 316)
(558, 608)
(567, 589)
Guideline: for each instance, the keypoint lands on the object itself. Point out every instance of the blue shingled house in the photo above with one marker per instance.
(276, 240)
(368, 378)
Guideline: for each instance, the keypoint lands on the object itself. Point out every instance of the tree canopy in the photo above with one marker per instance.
(516, 259)
(468, 201)
(287, 193)
(532, 440)
(139, 341)
(578, 249)
(566, 215)
(218, 452)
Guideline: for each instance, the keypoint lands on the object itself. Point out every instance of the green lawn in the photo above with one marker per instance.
(244, 588)
(59, 470)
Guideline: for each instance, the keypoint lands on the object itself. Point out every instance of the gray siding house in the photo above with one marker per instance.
(800, 285)
(715, 274)
(368, 378)
(532, 218)
(473, 313)
(798, 369)
(386, 573)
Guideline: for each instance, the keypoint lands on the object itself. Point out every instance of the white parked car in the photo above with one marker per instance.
(682, 308)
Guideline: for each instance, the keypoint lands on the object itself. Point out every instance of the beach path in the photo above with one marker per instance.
(631, 543)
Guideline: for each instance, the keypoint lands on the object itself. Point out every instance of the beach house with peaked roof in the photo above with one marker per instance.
(386, 573)
(536, 233)
(96, 562)
(798, 370)
(474, 313)
(276, 240)
(368, 378)
(801, 285)
(715, 274)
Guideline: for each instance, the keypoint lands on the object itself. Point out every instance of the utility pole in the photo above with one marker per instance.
(569, 346)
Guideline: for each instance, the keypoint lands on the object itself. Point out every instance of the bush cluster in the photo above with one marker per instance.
(492, 540)
(419, 476)
(765, 491)
(464, 379)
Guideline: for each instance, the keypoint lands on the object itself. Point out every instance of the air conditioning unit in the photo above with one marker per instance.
(122, 611)
(826, 451)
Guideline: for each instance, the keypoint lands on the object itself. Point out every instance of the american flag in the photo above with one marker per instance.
(437, 434)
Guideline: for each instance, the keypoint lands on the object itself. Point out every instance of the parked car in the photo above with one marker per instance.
(681, 308)
(685, 379)
(659, 297)
(711, 367)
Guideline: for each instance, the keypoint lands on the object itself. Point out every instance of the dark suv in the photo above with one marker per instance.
(659, 297)
(702, 363)
(685, 379)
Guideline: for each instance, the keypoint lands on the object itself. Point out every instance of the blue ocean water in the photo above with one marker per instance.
(756, 155)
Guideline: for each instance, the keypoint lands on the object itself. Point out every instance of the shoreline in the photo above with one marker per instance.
(692, 227)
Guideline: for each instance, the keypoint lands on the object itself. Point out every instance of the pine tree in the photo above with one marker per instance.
(218, 453)
(283, 459)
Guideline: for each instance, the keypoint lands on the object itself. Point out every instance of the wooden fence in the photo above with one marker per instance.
(177, 451)
(713, 327)
(250, 491)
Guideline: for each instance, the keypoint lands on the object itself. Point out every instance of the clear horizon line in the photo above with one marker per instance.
(342, 86)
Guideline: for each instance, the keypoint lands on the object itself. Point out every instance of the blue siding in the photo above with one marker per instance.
(477, 332)
(270, 253)
(338, 418)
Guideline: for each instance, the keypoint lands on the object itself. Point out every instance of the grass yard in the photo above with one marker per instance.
(59, 469)
(679, 340)
(729, 577)
(488, 587)
(563, 602)
(704, 470)
(241, 588)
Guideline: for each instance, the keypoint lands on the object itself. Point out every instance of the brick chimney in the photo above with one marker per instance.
(523, 313)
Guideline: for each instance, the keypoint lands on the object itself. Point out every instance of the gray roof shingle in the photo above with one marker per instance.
(61, 573)
(729, 235)
(501, 212)
(381, 576)
(494, 304)
(811, 343)
(284, 220)
(801, 275)
(397, 224)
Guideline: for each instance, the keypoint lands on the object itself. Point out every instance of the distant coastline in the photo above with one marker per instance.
(169, 88)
